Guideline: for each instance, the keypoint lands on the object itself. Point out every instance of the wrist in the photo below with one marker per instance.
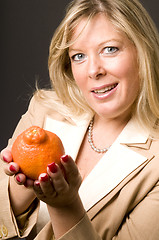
(74, 206)
(64, 218)
(20, 197)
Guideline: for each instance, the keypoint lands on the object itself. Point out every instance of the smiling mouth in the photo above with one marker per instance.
(105, 89)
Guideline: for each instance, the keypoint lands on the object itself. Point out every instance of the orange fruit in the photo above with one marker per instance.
(34, 149)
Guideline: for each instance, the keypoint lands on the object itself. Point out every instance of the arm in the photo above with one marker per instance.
(65, 207)
(12, 221)
(61, 196)
(8, 196)
(20, 196)
(34, 116)
(64, 218)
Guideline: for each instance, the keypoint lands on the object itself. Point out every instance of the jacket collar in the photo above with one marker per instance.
(70, 134)
(115, 165)
(133, 133)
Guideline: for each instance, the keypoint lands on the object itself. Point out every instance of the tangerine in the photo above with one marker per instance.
(34, 149)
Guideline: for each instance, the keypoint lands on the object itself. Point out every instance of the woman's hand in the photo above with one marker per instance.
(12, 169)
(59, 190)
(20, 196)
(59, 187)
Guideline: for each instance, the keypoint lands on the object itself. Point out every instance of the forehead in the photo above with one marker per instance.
(97, 28)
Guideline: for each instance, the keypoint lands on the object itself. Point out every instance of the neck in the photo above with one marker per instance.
(109, 123)
(107, 130)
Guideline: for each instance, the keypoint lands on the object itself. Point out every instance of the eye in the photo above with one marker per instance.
(79, 57)
(110, 50)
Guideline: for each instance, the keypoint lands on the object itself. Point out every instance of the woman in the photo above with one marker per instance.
(104, 106)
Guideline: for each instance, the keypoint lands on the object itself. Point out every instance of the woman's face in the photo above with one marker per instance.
(104, 66)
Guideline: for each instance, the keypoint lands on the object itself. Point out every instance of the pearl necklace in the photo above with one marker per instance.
(90, 139)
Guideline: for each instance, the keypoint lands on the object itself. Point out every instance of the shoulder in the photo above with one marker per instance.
(154, 139)
(36, 114)
(39, 100)
(154, 148)
(44, 103)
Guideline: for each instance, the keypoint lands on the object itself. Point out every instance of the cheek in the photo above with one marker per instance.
(128, 74)
(132, 74)
(79, 77)
(125, 65)
(126, 68)
(131, 87)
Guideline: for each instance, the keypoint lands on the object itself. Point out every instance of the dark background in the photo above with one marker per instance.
(26, 28)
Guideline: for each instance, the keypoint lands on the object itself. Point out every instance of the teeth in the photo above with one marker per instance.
(106, 89)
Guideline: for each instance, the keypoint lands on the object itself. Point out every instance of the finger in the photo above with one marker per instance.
(71, 170)
(29, 183)
(47, 185)
(37, 189)
(6, 155)
(59, 182)
(20, 179)
(11, 168)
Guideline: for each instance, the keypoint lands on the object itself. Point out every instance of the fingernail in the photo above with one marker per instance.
(5, 159)
(12, 168)
(37, 183)
(65, 158)
(53, 168)
(18, 179)
(44, 177)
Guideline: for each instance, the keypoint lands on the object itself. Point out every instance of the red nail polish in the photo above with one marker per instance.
(12, 168)
(18, 179)
(5, 159)
(53, 168)
(44, 177)
(65, 158)
(37, 183)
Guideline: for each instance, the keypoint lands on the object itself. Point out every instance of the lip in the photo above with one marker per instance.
(103, 86)
(104, 95)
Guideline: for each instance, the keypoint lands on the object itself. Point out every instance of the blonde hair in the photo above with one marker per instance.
(130, 17)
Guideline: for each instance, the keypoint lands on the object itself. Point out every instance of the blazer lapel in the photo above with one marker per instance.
(114, 166)
(71, 135)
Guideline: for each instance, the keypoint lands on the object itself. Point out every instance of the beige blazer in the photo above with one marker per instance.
(120, 195)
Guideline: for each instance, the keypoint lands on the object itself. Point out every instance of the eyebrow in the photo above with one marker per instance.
(102, 43)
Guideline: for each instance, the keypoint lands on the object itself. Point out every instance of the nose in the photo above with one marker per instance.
(96, 68)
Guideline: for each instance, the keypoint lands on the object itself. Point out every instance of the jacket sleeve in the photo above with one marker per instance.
(9, 225)
(82, 230)
(35, 115)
